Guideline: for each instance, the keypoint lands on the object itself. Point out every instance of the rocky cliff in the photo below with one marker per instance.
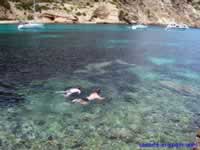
(104, 11)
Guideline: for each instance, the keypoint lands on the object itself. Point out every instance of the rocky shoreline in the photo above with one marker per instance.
(4, 22)
(105, 12)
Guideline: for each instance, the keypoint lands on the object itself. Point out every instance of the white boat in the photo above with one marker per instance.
(31, 25)
(183, 26)
(176, 26)
(139, 26)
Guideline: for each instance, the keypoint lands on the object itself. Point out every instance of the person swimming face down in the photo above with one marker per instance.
(197, 141)
(70, 91)
(95, 95)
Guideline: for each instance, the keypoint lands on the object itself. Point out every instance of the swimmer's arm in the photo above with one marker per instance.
(101, 98)
(60, 92)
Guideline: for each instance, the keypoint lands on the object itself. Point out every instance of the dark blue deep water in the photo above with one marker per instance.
(149, 77)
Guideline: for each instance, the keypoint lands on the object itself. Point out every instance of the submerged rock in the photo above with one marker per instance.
(161, 60)
(180, 88)
(8, 95)
(50, 138)
(98, 66)
(40, 122)
(123, 134)
(131, 97)
(87, 117)
(6, 84)
(104, 67)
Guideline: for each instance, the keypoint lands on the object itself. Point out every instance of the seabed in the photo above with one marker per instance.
(141, 106)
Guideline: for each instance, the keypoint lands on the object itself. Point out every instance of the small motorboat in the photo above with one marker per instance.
(183, 26)
(177, 26)
(139, 26)
(30, 26)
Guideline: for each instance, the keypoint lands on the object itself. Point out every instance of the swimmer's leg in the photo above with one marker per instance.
(80, 101)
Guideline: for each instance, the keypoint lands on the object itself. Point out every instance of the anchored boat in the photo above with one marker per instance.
(176, 26)
(31, 25)
(139, 26)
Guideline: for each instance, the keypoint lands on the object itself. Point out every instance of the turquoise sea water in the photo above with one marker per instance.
(150, 79)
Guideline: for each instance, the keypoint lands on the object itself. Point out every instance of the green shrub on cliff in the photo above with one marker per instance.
(28, 5)
(24, 5)
(196, 4)
(5, 4)
(101, 12)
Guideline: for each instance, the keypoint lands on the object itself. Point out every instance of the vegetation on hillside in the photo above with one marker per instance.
(5, 4)
(26, 3)
(129, 11)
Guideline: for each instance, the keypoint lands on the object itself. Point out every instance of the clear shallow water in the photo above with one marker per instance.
(150, 79)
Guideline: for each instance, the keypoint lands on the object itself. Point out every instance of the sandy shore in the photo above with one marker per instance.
(9, 21)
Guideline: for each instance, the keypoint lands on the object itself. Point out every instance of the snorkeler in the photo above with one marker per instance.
(197, 141)
(95, 95)
(71, 91)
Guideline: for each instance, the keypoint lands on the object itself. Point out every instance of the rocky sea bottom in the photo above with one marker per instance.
(142, 105)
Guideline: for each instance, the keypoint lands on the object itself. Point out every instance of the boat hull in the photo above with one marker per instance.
(177, 27)
(134, 27)
(31, 26)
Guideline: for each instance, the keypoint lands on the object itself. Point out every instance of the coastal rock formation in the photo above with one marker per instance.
(6, 13)
(58, 18)
(163, 12)
(101, 12)
(124, 16)
(108, 11)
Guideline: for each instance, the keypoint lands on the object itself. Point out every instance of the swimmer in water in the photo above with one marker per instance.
(69, 92)
(95, 95)
(197, 141)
